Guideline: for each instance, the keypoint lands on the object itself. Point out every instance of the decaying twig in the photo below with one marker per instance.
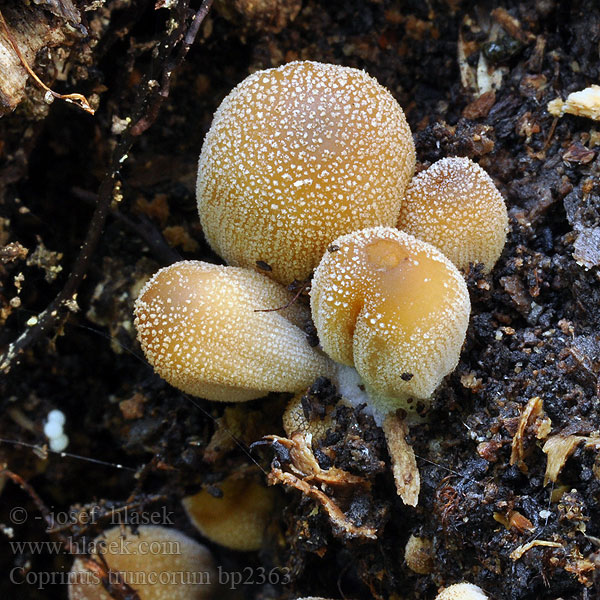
(170, 65)
(404, 463)
(306, 475)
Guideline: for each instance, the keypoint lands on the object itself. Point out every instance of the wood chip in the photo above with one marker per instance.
(337, 517)
(585, 103)
(404, 463)
(512, 26)
(533, 411)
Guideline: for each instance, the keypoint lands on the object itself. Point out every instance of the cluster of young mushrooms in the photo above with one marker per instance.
(308, 170)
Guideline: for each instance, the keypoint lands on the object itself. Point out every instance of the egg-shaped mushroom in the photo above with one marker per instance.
(297, 156)
(455, 206)
(237, 518)
(225, 333)
(395, 308)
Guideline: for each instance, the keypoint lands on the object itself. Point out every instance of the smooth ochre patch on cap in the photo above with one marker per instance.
(394, 307)
(297, 156)
(455, 206)
(198, 326)
(238, 518)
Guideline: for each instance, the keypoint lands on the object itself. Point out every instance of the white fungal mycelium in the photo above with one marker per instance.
(395, 308)
(297, 156)
(455, 206)
(204, 329)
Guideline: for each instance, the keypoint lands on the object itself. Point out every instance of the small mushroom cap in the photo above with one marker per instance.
(198, 326)
(418, 555)
(294, 419)
(238, 519)
(462, 591)
(455, 206)
(297, 156)
(394, 307)
(157, 562)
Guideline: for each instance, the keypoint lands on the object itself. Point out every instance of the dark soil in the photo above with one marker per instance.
(534, 332)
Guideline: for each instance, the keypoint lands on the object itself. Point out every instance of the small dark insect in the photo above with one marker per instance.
(214, 491)
(333, 248)
(501, 50)
(406, 376)
(263, 266)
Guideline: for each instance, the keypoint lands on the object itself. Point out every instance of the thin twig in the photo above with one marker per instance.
(152, 113)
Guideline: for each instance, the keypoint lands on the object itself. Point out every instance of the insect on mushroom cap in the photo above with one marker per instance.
(158, 562)
(394, 307)
(455, 206)
(297, 156)
(199, 328)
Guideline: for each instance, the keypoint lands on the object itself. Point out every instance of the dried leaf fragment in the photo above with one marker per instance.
(533, 414)
(585, 103)
(559, 448)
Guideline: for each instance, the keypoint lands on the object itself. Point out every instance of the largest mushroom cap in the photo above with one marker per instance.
(394, 307)
(199, 328)
(297, 156)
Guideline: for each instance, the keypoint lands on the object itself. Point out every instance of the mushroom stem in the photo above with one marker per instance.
(395, 424)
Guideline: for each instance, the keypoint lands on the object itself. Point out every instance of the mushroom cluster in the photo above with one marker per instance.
(309, 166)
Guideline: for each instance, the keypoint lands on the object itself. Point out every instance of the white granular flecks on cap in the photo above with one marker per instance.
(455, 206)
(308, 132)
(385, 320)
(217, 346)
(462, 591)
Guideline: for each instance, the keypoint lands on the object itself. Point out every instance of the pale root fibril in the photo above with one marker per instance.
(455, 206)
(297, 156)
(198, 326)
(159, 563)
(392, 306)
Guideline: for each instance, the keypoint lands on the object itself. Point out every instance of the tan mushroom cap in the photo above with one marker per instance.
(157, 562)
(418, 555)
(197, 325)
(394, 307)
(238, 519)
(297, 156)
(462, 591)
(455, 206)
(294, 419)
